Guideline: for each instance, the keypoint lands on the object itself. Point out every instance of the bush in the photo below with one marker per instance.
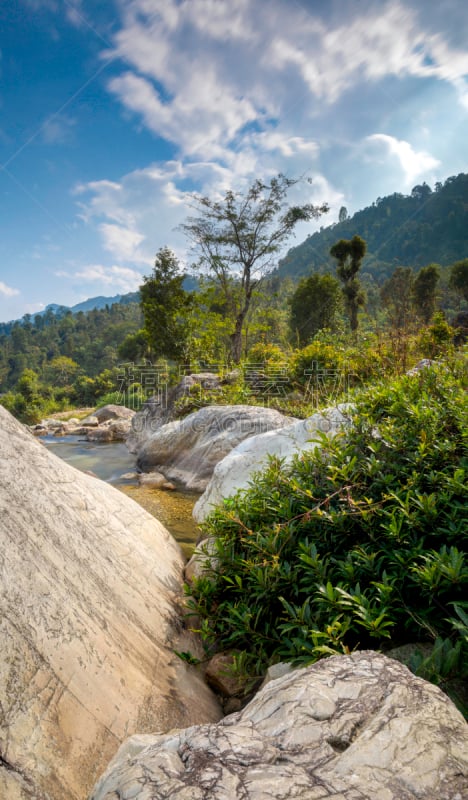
(360, 543)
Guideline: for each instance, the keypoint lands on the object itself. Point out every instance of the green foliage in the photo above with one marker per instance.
(166, 307)
(436, 340)
(459, 278)
(315, 305)
(359, 543)
(424, 291)
(395, 295)
(349, 255)
(60, 347)
(415, 230)
(236, 238)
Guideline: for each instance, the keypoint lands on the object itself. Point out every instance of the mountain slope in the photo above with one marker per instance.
(426, 226)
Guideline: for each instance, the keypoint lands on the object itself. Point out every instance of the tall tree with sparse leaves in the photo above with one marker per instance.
(349, 254)
(166, 307)
(395, 295)
(236, 239)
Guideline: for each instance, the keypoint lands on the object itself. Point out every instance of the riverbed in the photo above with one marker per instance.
(111, 462)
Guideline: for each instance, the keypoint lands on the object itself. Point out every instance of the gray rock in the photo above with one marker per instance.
(89, 621)
(187, 450)
(106, 413)
(100, 434)
(90, 422)
(235, 471)
(203, 558)
(161, 409)
(358, 727)
(154, 479)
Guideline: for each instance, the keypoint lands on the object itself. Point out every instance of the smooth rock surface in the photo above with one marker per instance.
(89, 620)
(236, 469)
(187, 450)
(358, 727)
(161, 408)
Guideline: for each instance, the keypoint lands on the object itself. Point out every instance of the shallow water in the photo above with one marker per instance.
(110, 462)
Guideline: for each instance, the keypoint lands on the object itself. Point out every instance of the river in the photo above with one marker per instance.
(112, 461)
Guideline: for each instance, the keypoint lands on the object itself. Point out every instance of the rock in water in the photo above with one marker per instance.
(187, 450)
(358, 727)
(89, 592)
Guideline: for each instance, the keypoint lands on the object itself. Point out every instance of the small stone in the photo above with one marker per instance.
(221, 677)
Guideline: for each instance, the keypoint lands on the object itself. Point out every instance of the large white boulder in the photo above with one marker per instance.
(89, 620)
(236, 469)
(357, 727)
(187, 450)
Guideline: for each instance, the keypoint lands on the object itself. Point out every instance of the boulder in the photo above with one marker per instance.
(89, 621)
(101, 434)
(162, 408)
(187, 450)
(235, 471)
(356, 727)
(113, 412)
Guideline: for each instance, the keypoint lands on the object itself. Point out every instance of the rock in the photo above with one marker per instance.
(100, 434)
(203, 557)
(220, 676)
(162, 408)
(129, 476)
(187, 450)
(90, 422)
(236, 469)
(89, 620)
(154, 479)
(357, 727)
(106, 413)
(120, 429)
(423, 364)
(277, 671)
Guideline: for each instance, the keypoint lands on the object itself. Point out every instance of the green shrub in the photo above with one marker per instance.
(360, 543)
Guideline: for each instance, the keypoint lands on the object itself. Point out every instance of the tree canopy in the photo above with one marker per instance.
(349, 255)
(165, 305)
(315, 305)
(236, 239)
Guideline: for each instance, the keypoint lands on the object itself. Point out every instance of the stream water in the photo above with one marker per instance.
(110, 462)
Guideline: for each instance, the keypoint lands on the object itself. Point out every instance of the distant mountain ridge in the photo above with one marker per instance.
(424, 227)
(94, 303)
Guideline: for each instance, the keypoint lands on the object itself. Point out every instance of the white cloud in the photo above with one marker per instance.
(117, 278)
(8, 291)
(121, 242)
(414, 164)
(202, 70)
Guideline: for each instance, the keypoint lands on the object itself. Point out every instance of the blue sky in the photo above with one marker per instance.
(112, 113)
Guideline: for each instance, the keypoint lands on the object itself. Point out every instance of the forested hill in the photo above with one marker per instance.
(428, 226)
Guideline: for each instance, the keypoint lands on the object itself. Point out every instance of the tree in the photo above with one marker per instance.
(349, 254)
(459, 278)
(237, 237)
(424, 294)
(343, 214)
(315, 305)
(395, 295)
(135, 346)
(166, 305)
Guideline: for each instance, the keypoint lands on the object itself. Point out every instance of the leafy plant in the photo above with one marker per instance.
(358, 543)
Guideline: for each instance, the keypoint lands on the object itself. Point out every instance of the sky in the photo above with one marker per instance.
(113, 114)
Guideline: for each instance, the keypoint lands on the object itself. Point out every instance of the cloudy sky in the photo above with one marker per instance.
(112, 113)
